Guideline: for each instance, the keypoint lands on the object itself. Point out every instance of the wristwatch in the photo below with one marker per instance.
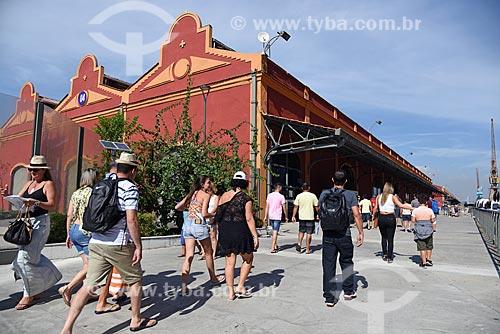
(37, 203)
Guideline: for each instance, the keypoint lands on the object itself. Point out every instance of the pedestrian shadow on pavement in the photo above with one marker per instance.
(44, 298)
(162, 297)
(415, 259)
(256, 283)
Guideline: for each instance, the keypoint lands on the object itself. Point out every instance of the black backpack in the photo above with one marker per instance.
(102, 211)
(334, 213)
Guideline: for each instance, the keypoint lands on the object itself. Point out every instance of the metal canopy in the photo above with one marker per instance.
(295, 136)
(300, 136)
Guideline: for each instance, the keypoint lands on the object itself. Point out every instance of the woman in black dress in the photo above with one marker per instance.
(237, 233)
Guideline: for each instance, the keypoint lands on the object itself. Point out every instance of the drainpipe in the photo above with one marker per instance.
(253, 126)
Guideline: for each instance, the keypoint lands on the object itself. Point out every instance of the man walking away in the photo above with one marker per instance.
(119, 246)
(275, 205)
(366, 211)
(340, 244)
(307, 204)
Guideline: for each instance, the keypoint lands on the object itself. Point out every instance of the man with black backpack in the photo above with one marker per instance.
(117, 244)
(337, 208)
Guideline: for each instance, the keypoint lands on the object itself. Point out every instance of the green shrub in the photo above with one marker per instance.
(57, 228)
(10, 214)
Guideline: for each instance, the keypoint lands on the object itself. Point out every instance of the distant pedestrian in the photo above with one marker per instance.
(425, 226)
(366, 209)
(307, 204)
(237, 234)
(340, 245)
(414, 203)
(406, 218)
(275, 206)
(386, 205)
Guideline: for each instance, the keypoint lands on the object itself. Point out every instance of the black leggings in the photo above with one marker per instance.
(387, 227)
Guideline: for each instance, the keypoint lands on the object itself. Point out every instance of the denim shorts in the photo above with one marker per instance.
(366, 217)
(406, 217)
(307, 226)
(275, 224)
(79, 240)
(195, 231)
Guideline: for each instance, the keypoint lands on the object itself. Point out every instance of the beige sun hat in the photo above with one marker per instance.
(127, 159)
(38, 161)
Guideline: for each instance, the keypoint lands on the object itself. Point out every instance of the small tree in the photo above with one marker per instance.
(116, 128)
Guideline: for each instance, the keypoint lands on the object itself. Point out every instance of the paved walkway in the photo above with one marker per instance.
(460, 294)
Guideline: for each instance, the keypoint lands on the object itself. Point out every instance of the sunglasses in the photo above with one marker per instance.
(33, 170)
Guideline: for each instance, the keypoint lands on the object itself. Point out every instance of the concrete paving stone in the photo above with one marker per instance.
(460, 294)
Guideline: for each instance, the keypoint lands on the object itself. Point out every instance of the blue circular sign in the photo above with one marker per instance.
(82, 98)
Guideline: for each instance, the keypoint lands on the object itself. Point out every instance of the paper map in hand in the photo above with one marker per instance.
(16, 201)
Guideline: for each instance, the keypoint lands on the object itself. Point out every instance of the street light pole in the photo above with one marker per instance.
(376, 122)
(205, 90)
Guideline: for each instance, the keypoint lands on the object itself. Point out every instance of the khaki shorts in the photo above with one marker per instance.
(102, 259)
(425, 244)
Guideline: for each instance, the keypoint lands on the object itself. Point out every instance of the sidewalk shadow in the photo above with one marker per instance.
(415, 259)
(261, 281)
(316, 248)
(162, 297)
(45, 297)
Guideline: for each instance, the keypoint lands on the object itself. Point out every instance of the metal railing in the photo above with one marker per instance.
(489, 220)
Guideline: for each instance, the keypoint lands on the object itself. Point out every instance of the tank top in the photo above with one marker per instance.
(194, 207)
(39, 196)
(388, 206)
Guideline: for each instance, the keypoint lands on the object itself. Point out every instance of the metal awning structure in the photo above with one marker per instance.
(290, 136)
(307, 136)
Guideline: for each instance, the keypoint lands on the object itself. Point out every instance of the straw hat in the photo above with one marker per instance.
(38, 161)
(127, 159)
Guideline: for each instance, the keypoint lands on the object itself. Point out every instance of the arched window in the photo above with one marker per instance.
(351, 180)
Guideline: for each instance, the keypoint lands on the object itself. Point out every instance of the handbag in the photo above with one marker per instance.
(20, 230)
(375, 219)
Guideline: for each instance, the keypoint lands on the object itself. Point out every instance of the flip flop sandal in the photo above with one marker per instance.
(145, 323)
(274, 251)
(220, 279)
(109, 309)
(21, 307)
(62, 291)
(244, 295)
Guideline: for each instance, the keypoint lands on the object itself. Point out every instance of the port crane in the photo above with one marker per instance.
(479, 191)
(494, 178)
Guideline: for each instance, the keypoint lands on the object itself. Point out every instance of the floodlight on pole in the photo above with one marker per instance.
(379, 122)
(408, 154)
(205, 90)
(267, 42)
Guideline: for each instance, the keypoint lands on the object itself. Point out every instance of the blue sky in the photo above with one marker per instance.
(435, 88)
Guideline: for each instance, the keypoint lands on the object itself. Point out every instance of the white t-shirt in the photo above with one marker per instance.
(128, 199)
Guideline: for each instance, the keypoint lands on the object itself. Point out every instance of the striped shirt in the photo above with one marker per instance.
(128, 199)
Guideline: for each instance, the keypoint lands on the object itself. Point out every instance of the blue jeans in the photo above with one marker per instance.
(337, 245)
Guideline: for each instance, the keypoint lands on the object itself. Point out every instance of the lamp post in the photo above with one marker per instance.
(205, 90)
(376, 122)
(267, 42)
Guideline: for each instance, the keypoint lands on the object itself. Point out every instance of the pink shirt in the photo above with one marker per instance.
(274, 202)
